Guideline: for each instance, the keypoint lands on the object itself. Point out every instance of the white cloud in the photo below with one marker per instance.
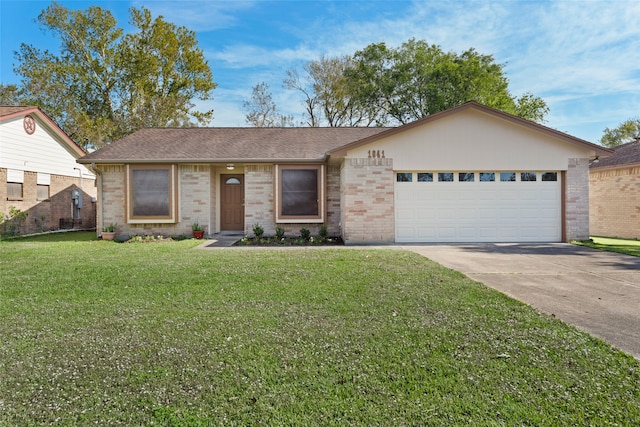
(199, 15)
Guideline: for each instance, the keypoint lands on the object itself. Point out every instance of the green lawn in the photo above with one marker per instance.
(101, 333)
(623, 246)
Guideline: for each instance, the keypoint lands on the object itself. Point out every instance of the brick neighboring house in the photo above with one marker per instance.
(468, 174)
(614, 186)
(39, 174)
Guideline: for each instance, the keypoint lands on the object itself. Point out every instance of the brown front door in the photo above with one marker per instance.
(232, 202)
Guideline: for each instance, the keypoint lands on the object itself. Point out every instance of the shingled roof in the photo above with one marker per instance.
(623, 155)
(189, 145)
(7, 110)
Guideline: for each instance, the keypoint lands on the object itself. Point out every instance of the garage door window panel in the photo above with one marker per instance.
(404, 177)
(445, 176)
(550, 176)
(466, 177)
(528, 176)
(507, 177)
(487, 176)
(425, 177)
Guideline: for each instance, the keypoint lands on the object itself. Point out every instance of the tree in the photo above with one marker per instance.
(10, 95)
(104, 84)
(262, 111)
(383, 86)
(327, 98)
(626, 131)
(417, 79)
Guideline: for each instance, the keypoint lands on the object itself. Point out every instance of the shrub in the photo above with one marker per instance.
(305, 233)
(323, 231)
(279, 233)
(258, 231)
(10, 224)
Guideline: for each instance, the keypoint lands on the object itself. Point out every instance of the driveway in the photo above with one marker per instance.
(599, 292)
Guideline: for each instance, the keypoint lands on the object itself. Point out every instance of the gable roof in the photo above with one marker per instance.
(256, 145)
(8, 112)
(473, 105)
(200, 145)
(623, 155)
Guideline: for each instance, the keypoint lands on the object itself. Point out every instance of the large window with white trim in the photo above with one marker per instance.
(152, 194)
(300, 193)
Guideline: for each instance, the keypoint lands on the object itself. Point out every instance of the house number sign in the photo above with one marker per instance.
(29, 125)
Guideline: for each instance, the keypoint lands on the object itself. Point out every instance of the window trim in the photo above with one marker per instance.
(301, 219)
(172, 218)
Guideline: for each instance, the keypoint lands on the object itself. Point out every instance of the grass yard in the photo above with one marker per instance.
(622, 246)
(101, 333)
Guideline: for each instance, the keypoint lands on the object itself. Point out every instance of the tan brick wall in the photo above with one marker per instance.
(259, 199)
(45, 215)
(367, 211)
(194, 202)
(614, 202)
(333, 200)
(577, 200)
(260, 202)
(111, 198)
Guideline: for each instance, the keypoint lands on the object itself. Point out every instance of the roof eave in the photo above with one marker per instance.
(597, 168)
(198, 160)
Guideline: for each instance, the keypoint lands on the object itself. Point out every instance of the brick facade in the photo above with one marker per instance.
(258, 196)
(260, 202)
(614, 202)
(577, 200)
(367, 208)
(56, 211)
(195, 202)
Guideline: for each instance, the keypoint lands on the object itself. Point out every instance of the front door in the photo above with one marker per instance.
(232, 202)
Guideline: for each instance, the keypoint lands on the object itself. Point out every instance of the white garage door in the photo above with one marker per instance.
(478, 206)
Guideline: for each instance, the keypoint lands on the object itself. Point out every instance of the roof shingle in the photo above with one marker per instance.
(228, 144)
(625, 154)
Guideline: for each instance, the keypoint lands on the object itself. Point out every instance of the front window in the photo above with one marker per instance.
(300, 193)
(152, 194)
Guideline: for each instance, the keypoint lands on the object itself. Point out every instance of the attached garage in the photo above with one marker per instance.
(484, 206)
(469, 174)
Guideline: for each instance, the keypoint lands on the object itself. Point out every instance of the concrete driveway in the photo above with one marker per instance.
(599, 292)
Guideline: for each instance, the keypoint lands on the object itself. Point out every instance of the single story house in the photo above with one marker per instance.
(39, 174)
(468, 174)
(614, 186)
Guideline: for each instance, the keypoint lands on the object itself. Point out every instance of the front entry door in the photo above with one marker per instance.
(232, 202)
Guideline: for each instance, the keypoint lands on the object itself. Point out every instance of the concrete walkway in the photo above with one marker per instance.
(599, 292)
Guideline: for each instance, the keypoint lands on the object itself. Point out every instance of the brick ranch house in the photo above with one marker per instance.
(614, 186)
(39, 174)
(468, 174)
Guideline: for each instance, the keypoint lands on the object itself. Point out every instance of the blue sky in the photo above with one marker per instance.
(582, 57)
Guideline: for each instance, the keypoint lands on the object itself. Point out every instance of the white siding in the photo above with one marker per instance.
(40, 152)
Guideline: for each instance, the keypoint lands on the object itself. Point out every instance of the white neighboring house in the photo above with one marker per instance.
(39, 174)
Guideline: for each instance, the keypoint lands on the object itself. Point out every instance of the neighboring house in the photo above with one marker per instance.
(39, 174)
(468, 174)
(614, 186)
